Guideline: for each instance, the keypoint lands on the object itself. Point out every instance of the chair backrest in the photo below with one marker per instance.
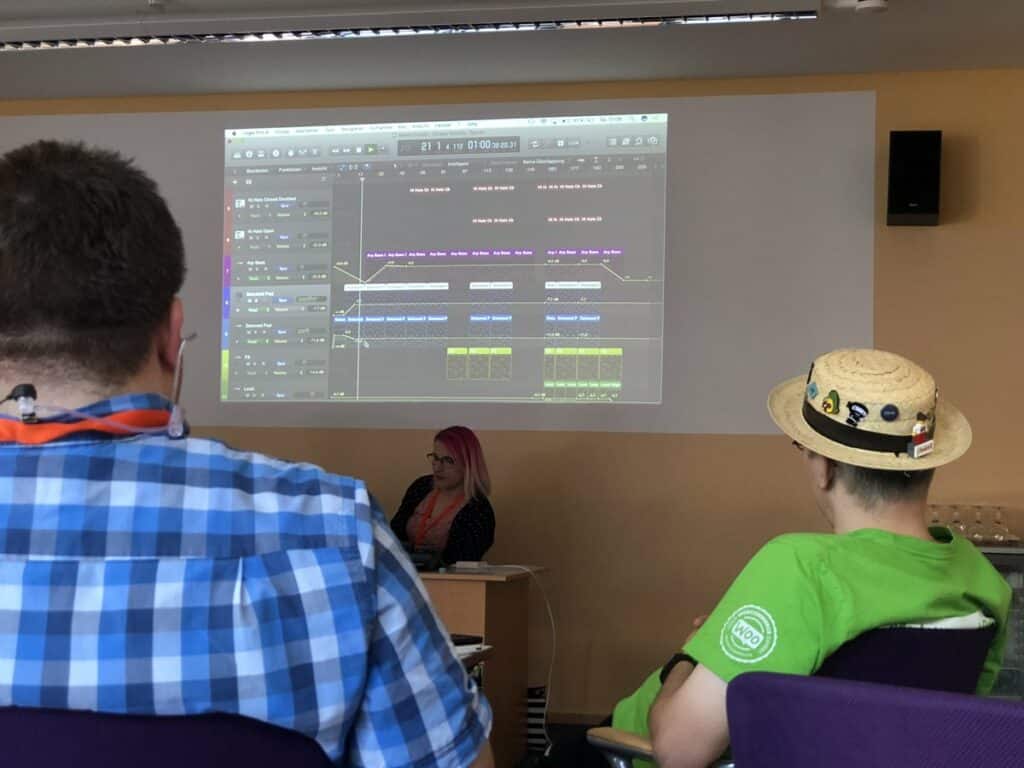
(45, 737)
(937, 659)
(948, 660)
(800, 722)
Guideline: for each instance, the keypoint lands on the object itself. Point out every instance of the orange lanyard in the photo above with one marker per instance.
(426, 524)
(14, 431)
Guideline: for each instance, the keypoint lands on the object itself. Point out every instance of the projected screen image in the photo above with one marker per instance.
(510, 260)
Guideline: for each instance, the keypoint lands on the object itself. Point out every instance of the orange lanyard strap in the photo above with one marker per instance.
(426, 524)
(41, 432)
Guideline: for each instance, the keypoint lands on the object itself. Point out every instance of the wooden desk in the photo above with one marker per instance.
(492, 603)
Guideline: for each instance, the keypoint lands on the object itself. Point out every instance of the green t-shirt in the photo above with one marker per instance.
(804, 595)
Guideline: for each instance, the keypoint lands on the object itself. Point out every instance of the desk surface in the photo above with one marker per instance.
(471, 655)
(490, 573)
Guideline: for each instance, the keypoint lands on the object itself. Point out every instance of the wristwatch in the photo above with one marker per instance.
(672, 662)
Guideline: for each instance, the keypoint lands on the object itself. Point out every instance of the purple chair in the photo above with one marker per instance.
(936, 659)
(38, 738)
(804, 722)
(948, 660)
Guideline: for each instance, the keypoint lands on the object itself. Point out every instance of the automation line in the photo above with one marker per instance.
(630, 279)
(497, 301)
(371, 278)
(471, 399)
(546, 339)
(346, 272)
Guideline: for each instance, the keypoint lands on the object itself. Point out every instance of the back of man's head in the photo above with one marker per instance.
(90, 262)
(876, 488)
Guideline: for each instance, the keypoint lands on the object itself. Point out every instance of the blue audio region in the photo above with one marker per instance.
(572, 326)
(517, 260)
(491, 326)
(391, 327)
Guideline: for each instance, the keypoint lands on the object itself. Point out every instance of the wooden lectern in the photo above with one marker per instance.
(492, 602)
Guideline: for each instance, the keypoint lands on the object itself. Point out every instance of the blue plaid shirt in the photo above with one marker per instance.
(147, 575)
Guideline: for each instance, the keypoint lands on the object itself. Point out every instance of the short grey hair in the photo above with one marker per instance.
(875, 486)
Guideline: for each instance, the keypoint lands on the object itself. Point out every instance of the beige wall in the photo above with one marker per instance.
(642, 532)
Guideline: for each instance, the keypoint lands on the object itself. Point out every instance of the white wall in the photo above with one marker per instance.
(769, 251)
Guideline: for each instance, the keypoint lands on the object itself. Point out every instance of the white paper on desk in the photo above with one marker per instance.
(465, 651)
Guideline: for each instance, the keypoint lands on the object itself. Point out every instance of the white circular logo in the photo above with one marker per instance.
(749, 635)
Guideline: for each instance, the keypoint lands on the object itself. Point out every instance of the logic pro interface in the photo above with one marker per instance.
(505, 260)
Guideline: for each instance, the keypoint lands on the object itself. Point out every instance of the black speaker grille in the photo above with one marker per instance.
(915, 160)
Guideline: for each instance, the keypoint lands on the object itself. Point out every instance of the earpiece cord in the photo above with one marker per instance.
(175, 427)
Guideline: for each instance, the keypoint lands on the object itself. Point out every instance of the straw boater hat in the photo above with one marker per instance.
(870, 409)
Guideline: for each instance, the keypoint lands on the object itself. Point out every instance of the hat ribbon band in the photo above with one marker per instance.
(851, 436)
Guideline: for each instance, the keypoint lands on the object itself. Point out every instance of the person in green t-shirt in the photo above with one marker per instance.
(871, 431)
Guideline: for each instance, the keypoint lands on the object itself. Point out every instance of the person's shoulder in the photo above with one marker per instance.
(971, 558)
(481, 504)
(799, 545)
(421, 484)
(417, 491)
(804, 553)
(289, 478)
(304, 498)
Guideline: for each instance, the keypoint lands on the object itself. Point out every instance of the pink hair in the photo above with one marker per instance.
(465, 447)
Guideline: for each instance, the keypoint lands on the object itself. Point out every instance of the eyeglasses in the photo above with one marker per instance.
(433, 457)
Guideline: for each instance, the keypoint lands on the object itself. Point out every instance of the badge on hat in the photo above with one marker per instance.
(870, 408)
(830, 404)
(857, 411)
(921, 441)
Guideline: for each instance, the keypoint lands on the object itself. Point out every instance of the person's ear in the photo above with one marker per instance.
(168, 338)
(823, 471)
(830, 475)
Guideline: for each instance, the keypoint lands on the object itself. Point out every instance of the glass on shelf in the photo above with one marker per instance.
(982, 524)
(956, 523)
(1000, 533)
(1002, 536)
(978, 532)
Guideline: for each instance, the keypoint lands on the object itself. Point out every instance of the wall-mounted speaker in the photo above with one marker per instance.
(915, 158)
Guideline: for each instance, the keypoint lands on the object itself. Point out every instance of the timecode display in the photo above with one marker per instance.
(458, 146)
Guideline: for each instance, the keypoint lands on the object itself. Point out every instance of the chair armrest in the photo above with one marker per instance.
(621, 743)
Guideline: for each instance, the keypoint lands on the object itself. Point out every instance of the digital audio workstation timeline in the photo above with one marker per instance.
(509, 260)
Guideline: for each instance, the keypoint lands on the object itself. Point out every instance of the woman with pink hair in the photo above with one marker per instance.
(447, 511)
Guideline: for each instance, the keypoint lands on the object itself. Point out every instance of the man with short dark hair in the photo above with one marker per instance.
(871, 431)
(149, 575)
